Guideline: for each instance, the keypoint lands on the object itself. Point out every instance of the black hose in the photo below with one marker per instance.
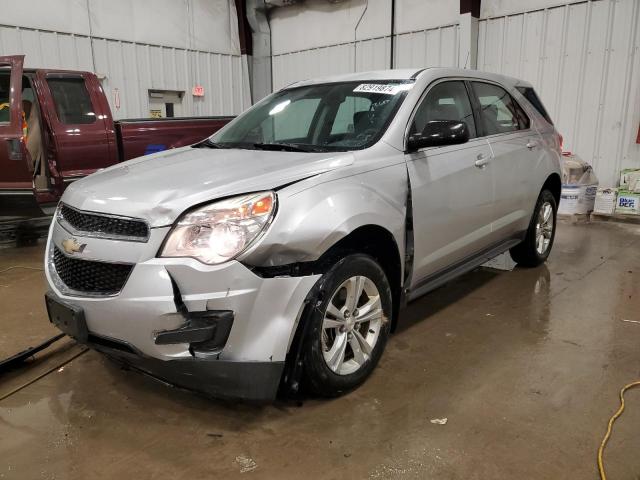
(18, 358)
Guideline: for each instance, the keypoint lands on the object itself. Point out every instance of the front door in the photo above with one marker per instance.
(451, 186)
(76, 111)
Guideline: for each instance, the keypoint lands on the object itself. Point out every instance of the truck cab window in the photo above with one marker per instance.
(72, 101)
(5, 77)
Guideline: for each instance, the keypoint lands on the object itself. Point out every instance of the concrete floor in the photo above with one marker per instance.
(525, 365)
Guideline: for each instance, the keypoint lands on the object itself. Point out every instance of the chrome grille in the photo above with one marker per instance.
(87, 276)
(109, 226)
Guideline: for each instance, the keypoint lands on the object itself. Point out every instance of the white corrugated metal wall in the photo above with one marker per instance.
(422, 48)
(133, 67)
(426, 35)
(136, 68)
(369, 54)
(584, 60)
(428, 48)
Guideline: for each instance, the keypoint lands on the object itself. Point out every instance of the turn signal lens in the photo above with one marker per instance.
(262, 206)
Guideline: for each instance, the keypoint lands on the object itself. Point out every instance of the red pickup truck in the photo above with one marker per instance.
(56, 127)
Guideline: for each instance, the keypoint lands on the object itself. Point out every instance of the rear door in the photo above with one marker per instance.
(81, 129)
(451, 186)
(516, 151)
(13, 155)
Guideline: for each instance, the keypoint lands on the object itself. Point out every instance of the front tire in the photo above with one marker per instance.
(536, 246)
(348, 326)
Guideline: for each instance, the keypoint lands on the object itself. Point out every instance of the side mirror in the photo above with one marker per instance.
(437, 133)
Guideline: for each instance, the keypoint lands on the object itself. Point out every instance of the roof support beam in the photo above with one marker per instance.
(468, 52)
(260, 57)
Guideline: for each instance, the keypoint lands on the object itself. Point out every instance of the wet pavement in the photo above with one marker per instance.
(525, 366)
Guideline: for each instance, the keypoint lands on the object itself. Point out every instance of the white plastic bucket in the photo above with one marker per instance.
(577, 199)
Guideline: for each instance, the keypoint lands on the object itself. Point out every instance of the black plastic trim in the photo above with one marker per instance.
(173, 119)
(207, 330)
(409, 243)
(253, 382)
(435, 280)
(298, 269)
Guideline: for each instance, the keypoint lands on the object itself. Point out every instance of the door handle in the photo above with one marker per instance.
(482, 160)
(14, 146)
(531, 144)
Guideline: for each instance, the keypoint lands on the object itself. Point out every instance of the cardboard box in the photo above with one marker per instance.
(628, 203)
(634, 181)
(628, 176)
(606, 200)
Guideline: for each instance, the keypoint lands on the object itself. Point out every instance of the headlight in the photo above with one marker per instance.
(221, 230)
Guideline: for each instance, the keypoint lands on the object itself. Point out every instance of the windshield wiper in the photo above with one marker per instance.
(208, 143)
(286, 147)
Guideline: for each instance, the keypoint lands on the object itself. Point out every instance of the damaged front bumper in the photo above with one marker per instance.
(222, 329)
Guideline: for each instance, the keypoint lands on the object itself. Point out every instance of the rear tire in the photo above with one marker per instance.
(536, 246)
(348, 326)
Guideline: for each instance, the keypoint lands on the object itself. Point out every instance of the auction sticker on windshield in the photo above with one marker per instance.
(390, 89)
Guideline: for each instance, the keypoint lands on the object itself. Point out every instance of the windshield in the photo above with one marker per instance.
(327, 117)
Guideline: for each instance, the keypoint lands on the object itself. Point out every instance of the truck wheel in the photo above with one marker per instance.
(348, 326)
(536, 246)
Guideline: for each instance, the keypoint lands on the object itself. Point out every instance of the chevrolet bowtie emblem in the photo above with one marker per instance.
(71, 246)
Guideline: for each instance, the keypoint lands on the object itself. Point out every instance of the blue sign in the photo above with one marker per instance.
(154, 148)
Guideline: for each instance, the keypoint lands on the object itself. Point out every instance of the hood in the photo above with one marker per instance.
(159, 187)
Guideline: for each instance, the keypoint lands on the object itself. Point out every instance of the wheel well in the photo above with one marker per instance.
(379, 243)
(369, 239)
(554, 185)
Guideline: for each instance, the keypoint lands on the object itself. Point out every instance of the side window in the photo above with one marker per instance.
(351, 113)
(445, 101)
(499, 112)
(72, 101)
(5, 84)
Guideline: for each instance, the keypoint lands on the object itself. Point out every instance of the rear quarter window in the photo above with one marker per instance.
(531, 95)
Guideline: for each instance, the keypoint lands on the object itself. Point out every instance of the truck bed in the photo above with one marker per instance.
(142, 136)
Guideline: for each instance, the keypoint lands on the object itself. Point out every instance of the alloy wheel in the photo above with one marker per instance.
(351, 325)
(544, 228)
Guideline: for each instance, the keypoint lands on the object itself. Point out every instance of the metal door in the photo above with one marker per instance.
(451, 186)
(516, 150)
(80, 125)
(14, 158)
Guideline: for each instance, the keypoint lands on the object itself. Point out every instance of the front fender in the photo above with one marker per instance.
(310, 221)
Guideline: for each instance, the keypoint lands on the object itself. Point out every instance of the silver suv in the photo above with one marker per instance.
(278, 252)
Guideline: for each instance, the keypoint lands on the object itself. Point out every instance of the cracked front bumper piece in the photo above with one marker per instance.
(222, 330)
(248, 381)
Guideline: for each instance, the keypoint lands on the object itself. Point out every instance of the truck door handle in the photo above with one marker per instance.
(531, 144)
(482, 160)
(14, 146)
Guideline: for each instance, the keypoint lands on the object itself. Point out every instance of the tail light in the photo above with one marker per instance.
(560, 141)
